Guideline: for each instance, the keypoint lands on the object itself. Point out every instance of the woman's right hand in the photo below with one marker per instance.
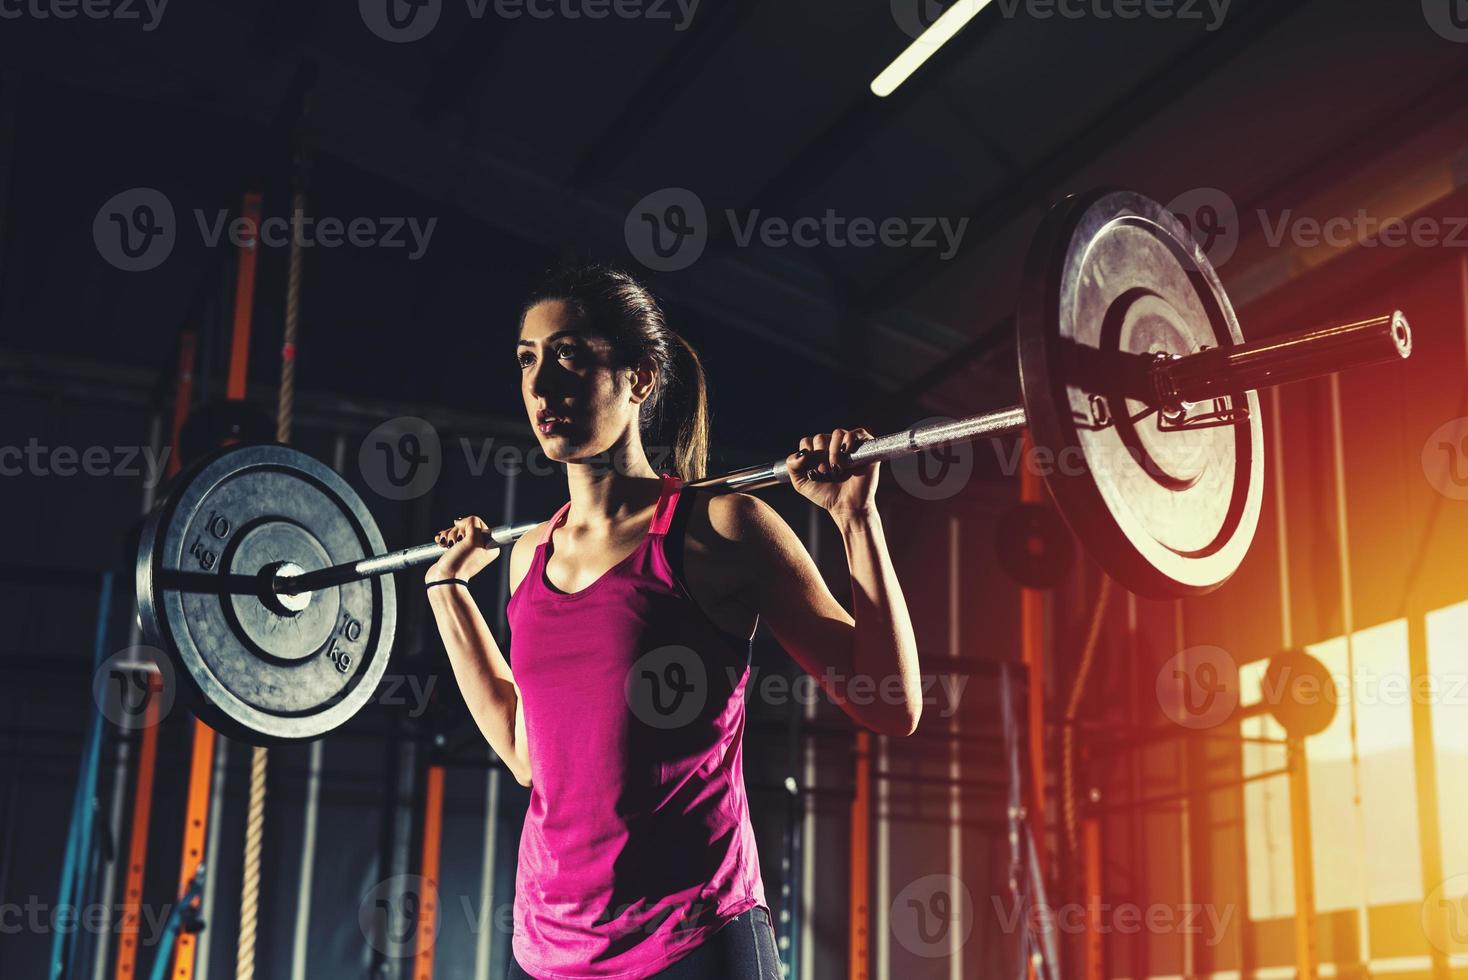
(470, 550)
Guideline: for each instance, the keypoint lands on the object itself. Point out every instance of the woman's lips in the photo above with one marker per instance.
(551, 426)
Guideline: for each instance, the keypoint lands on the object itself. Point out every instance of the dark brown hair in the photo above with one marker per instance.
(614, 305)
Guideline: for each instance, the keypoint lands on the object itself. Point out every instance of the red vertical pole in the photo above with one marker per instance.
(1095, 958)
(1032, 652)
(861, 850)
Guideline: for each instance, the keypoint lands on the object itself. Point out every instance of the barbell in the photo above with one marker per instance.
(264, 576)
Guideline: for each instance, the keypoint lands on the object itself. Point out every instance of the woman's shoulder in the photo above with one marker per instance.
(522, 553)
(738, 516)
(742, 539)
(731, 520)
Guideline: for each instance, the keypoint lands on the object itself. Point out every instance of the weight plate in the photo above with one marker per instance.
(1300, 693)
(257, 667)
(1111, 280)
(1034, 545)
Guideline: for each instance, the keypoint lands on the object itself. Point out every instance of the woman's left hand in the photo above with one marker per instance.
(823, 473)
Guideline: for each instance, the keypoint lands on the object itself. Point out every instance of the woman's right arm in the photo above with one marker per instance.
(483, 674)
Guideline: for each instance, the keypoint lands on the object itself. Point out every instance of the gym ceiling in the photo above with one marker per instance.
(527, 138)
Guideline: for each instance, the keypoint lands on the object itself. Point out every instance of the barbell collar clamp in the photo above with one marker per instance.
(1222, 371)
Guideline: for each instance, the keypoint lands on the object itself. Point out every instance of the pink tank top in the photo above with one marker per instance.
(637, 844)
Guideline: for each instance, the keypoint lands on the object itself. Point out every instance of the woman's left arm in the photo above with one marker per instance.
(867, 660)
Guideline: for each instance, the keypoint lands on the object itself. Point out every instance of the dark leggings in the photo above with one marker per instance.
(742, 949)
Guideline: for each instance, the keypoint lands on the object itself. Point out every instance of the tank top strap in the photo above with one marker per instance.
(662, 518)
(554, 523)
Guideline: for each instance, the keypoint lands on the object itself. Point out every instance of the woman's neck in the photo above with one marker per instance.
(603, 495)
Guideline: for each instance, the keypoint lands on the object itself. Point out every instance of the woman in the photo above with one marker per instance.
(632, 612)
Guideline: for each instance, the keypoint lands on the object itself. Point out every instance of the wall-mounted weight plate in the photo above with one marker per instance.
(1300, 693)
(263, 668)
(1166, 501)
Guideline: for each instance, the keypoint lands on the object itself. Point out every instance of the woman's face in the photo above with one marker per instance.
(578, 402)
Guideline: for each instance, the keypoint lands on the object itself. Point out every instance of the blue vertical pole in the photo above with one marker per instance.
(78, 862)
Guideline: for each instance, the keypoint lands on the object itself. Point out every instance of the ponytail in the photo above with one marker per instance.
(691, 410)
(616, 305)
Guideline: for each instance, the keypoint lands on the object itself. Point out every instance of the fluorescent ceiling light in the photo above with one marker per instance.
(940, 33)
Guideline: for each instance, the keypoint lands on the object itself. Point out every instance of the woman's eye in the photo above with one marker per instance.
(565, 350)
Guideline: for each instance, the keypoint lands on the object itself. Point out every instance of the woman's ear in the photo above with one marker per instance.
(644, 378)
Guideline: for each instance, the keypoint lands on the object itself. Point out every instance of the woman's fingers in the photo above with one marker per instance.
(851, 442)
(837, 450)
(827, 454)
(470, 528)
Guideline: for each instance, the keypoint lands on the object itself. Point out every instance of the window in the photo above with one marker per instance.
(1384, 846)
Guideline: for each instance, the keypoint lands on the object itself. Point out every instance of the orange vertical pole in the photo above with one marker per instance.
(127, 947)
(1032, 652)
(429, 868)
(1303, 859)
(1032, 636)
(201, 762)
(861, 851)
(1429, 830)
(137, 853)
(1091, 854)
(244, 297)
(196, 819)
(860, 884)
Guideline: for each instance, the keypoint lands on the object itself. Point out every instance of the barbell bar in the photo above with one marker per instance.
(264, 576)
(1171, 383)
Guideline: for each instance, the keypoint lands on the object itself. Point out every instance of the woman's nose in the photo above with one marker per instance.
(542, 379)
(535, 383)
